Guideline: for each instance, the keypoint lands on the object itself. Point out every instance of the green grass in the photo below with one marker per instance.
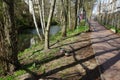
(56, 37)
(79, 29)
(112, 27)
(36, 53)
(109, 27)
(8, 78)
(13, 76)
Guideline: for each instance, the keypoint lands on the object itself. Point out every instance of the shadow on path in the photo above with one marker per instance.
(90, 74)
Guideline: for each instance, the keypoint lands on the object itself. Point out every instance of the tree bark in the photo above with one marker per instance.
(69, 14)
(41, 17)
(35, 22)
(43, 12)
(8, 39)
(76, 4)
(47, 29)
(65, 19)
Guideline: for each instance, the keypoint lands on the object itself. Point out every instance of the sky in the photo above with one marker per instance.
(96, 5)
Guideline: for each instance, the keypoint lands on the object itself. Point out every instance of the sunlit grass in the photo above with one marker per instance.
(36, 53)
(113, 28)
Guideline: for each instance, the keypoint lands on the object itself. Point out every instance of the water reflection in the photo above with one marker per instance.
(53, 30)
(29, 36)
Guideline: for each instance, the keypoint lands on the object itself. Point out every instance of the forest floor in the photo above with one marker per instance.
(79, 65)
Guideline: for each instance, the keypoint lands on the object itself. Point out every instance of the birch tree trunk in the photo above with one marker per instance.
(35, 22)
(41, 17)
(43, 12)
(47, 29)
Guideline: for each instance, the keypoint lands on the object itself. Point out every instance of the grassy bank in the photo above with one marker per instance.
(34, 58)
(112, 28)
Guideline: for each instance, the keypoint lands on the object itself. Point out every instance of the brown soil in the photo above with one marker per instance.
(80, 65)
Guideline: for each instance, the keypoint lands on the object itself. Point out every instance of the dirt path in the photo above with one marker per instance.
(106, 46)
(80, 65)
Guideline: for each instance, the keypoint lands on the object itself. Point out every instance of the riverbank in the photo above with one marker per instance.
(28, 37)
(55, 65)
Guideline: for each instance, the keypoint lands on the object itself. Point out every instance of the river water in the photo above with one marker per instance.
(27, 35)
(53, 30)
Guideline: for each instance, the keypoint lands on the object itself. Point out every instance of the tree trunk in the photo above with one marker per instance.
(43, 12)
(8, 39)
(115, 23)
(69, 15)
(41, 17)
(35, 22)
(76, 3)
(64, 9)
(118, 21)
(47, 29)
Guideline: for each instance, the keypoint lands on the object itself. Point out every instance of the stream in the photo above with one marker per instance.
(28, 37)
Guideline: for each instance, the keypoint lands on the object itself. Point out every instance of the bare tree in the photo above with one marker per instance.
(47, 29)
(35, 22)
(41, 14)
